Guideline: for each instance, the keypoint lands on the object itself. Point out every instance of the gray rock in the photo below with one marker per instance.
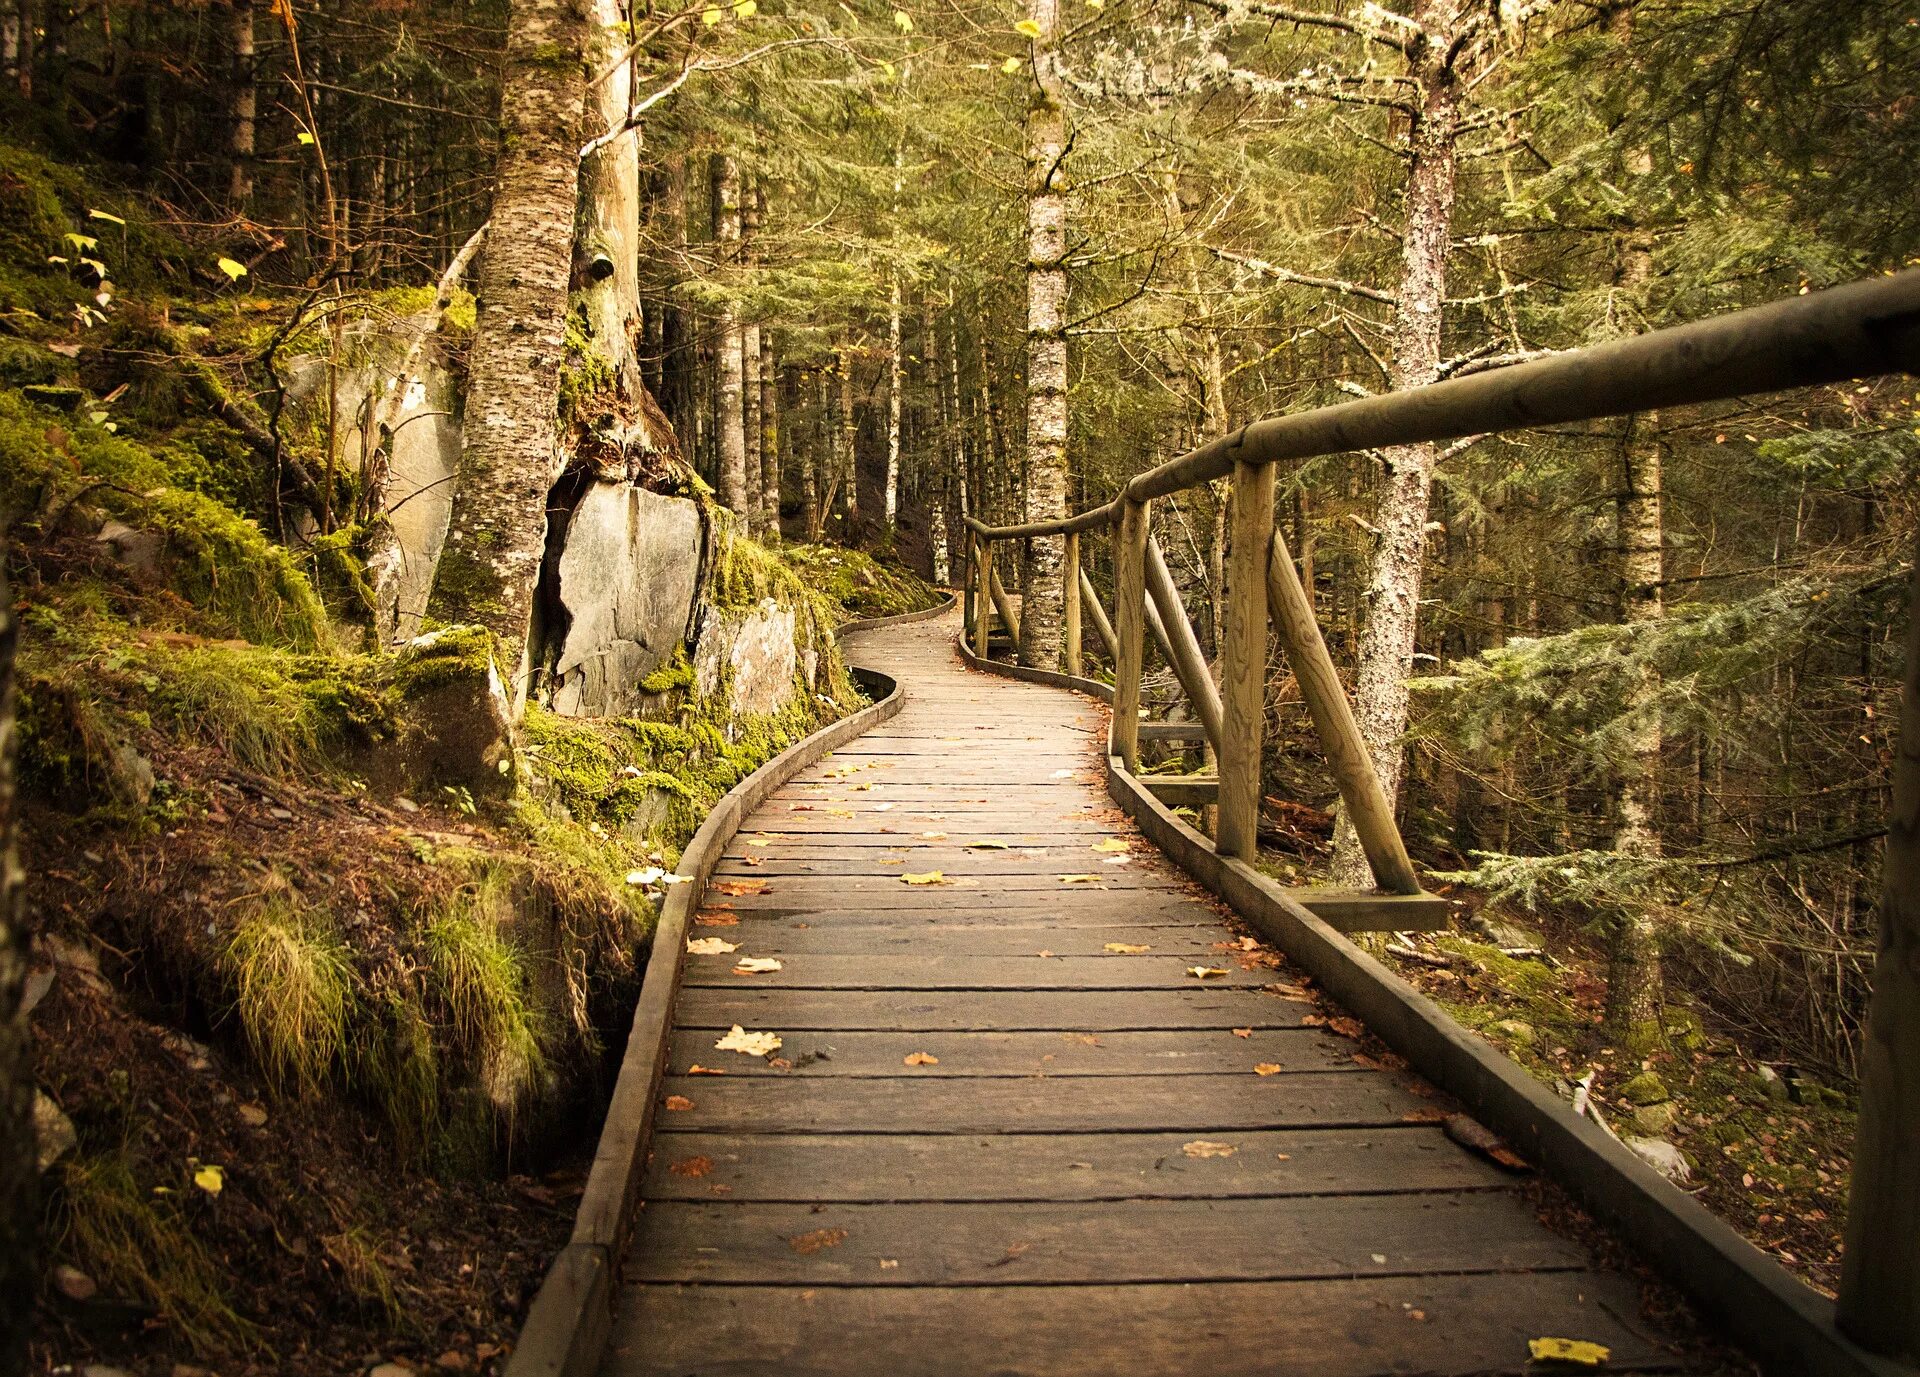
(135, 548)
(754, 652)
(1663, 1157)
(1513, 1030)
(53, 1132)
(130, 774)
(629, 572)
(1654, 1119)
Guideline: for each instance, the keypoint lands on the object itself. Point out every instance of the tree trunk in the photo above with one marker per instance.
(769, 384)
(896, 373)
(810, 460)
(241, 104)
(19, 1164)
(848, 447)
(510, 459)
(1041, 588)
(1393, 583)
(729, 414)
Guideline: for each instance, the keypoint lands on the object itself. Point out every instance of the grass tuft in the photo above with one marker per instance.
(293, 991)
(481, 977)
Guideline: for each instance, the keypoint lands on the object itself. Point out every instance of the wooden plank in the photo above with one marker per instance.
(1221, 1052)
(951, 862)
(983, 594)
(1075, 1242)
(1079, 902)
(1169, 733)
(1243, 691)
(1351, 912)
(1207, 1105)
(1340, 741)
(1130, 621)
(812, 936)
(1079, 1166)
(991, 1010)
(924, 971)
(1189, 791)
(827, 888)
(1363, 1327)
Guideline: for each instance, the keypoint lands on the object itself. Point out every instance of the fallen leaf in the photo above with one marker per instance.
(813, 1242)
(920, 1059)
(1568, 1351)
(1205, 972)
(1347, 1027)
(756, 965)
(1079, 879)
(1427, 1115)
(736, 888)
(253, 1116)
(989, 844)
(738, 1039)
(1117, 860)
(933, 836)
(931, 877)
(1267, 1068)
(1061, 774)
(888, 1263)
(1470, 1133)
(691, 1166)
(698, 1070)
(210, 1179)
(711, 946)
(839, 812)
(1243, 1032)
(1128, 948)
(881, 807)
(717, 920)
(679, 1102)
(1200, 1147)
(759, 841)
(1283, 1156)
(1111, 844)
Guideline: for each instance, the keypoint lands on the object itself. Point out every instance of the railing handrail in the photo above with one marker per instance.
(1861, 330)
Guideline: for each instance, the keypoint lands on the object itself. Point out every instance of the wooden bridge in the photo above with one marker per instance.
(960, 1052)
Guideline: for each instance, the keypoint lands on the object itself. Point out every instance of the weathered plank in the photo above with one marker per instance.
(1067, 1104)
(1077, 1166)
(988, 1010)
(1447, 1326)
(929, 971)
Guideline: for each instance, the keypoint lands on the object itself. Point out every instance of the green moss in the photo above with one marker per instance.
(860, 585)
(584, 376)
(454, 654)
(676, 674)
(466, 586)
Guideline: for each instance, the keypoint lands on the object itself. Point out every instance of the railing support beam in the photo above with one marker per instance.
(1097, 615)
(1003, 605)
(1130, 630)
(1182, 647)
(1070, 600)
(983, 593)
(1326, 699)
(1243, 660)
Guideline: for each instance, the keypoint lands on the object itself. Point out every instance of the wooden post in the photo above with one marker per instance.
(1326, 700)
(1130, 630)
(1880, 1267)
(1243, 657)
(1090, 600)
(1182, 647)
(1070, 608)
(1003, 605)
(983, 593)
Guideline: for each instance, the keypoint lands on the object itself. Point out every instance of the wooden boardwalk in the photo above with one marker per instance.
(1007, 1131)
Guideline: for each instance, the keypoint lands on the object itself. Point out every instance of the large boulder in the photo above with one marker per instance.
(628, 577)
(751, 653)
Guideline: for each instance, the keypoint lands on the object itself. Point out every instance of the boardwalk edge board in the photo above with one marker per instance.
(1779, 1320)
(565, 1334)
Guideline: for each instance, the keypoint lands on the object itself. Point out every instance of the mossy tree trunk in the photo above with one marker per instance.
(19, 1167)
(511, 455)
(729, 344)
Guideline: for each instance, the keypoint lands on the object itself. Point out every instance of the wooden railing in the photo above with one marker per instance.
(1863, 330)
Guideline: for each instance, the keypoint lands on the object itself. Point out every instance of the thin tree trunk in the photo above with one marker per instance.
(1393, 584)
(1042, 588)
(730, 345)
(848, 447)
(510, 459)
(769, 435)
(19, 1162)
(241, 104)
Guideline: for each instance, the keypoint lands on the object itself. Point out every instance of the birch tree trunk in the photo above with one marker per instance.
(818, 441)
(19, 1161)
(510, 457)
(729, 412)
(1393, 583)
(1633, 953)
(849, 447)
(769, 384)
(895, 374)
(242, 104)
(1041, 585)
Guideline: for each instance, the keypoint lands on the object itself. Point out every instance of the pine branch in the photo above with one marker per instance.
(1329, 284)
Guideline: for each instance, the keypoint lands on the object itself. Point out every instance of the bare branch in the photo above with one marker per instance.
(1262, 268)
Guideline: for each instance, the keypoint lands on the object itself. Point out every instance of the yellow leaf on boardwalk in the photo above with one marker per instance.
(931, 877)
(711, 946)
(1568, 1351)
(1267, 1068)
(1111, 845)
(1205, 972)
(989, 844)
(1200, 1147)
(738, 1039)
(1079, 879)
(1128, 948)
(920, 1059)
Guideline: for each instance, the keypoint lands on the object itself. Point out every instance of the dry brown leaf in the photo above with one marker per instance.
(678, 1102)
(920, 1059)
(691, 1166)
(698, 1070)
(813, 1242)
(1206, 972)
(1200, 1147)
(1127, 948)
(711, 946)
(756, 965)
(1428, 1115)
(1267, 1068)
(1347, 1027)
(717, 920)
(736, 888)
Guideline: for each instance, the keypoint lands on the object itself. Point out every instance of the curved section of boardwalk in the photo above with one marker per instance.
(1006, 1130)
